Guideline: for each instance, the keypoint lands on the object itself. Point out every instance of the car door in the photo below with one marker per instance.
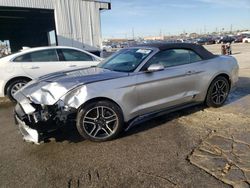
(41, 62)
(77, 59)
(167, 88)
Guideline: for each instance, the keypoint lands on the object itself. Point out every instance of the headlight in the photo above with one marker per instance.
(76, 97)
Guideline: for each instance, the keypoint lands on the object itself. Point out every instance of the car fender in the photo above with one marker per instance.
(124, 96)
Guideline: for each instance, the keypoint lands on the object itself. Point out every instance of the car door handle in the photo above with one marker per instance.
(34, 67)
(72, 65)
(190, 72)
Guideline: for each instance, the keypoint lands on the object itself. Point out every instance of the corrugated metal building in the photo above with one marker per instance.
(31, 22)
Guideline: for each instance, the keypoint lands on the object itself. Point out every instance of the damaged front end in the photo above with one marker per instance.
(43, 119)
(36, 120)
(35, 124)
(50, 102)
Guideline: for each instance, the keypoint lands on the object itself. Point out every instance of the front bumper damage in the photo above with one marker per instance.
(29, 134)
(36, 121)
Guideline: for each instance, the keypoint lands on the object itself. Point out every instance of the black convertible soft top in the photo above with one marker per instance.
(200, 50)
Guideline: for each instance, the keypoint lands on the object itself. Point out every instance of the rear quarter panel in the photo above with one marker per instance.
(8, 71)
(214, 67)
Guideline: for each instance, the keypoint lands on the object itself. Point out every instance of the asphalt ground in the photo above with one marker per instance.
(157, 153)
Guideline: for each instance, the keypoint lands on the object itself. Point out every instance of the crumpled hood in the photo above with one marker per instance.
(50, 88)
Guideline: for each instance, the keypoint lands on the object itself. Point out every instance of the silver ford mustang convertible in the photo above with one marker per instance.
(129, 87)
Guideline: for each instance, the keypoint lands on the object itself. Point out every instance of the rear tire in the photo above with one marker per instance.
(100, 121)
(218, 92)
(14, 86)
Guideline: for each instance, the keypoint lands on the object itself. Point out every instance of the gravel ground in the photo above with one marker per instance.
(159, 153)
(4, 100)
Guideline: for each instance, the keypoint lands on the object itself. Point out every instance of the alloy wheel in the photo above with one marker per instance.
(100, 122)
(17, 87)
(219, 92)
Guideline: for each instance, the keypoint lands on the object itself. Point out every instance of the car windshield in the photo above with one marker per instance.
(126, 60)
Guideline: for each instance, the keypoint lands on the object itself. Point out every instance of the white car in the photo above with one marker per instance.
(19, 68)
(246, 40)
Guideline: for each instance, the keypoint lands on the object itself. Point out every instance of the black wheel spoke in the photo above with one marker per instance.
(217, 86)
(223, 85)
(107, 131)
(214, 94)
(111, 119)
(92, 120)
(217, 99)
(94, 128)
(89, 122)
(94, 134)
(108, 128)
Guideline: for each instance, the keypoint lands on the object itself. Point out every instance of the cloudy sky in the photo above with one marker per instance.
(152, 17)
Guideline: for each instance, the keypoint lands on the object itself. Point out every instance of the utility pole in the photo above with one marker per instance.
(133, 33)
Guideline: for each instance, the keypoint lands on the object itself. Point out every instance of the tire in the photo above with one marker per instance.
(14, 86)
(218, 92)
(100, 121)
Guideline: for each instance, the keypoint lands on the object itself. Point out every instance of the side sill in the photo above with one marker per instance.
(151, 115)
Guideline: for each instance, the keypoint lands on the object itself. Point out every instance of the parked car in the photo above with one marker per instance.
(19, 68)
(107, 48)
(239, 38)
(132, 85)
(225, 39)
(246, 40)
(191, 40)
(205, 41)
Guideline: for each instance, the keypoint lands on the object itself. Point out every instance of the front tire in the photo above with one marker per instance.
(15, 86)
(218, 92)
(100, 121)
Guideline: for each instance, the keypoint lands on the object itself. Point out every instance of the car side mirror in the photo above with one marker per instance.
(155, 68)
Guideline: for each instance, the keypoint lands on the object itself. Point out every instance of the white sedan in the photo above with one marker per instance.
(19, 68)
(246, 40)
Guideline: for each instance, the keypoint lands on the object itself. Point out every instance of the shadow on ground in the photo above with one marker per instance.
(68, 133)
(242, 90)
(161, 120)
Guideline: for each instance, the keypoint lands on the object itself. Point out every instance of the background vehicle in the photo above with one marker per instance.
(239, 38)
(246, 40)
(205, 41)
(19, 68)
(134, 84)
(225, 39)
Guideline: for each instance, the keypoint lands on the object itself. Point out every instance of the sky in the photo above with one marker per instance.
(169, 17)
